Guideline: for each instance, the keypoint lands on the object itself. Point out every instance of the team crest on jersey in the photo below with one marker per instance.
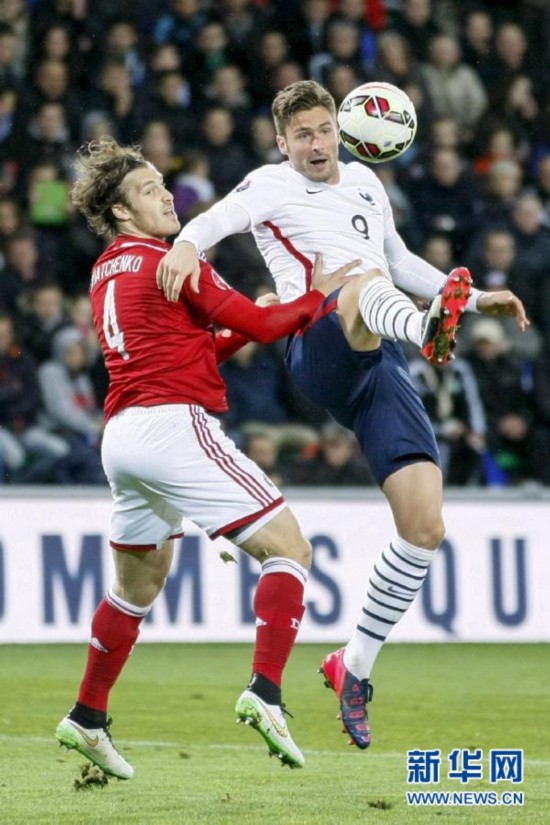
(244, 185)
(219, 281)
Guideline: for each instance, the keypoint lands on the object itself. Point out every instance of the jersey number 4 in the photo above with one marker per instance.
(113, 334)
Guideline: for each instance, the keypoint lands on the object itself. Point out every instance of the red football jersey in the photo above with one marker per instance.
(159, 352)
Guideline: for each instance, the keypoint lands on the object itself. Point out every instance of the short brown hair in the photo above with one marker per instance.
(105, 164)
(300, 97)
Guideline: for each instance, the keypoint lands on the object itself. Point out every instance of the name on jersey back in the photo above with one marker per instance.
(122, 263)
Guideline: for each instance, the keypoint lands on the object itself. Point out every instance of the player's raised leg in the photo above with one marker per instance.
(415, 496)
(387, 312)
(140, 577)
(285, 556)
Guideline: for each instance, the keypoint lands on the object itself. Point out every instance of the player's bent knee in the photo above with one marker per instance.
(428, 535)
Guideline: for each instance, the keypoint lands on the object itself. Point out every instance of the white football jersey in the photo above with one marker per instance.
(292, 218)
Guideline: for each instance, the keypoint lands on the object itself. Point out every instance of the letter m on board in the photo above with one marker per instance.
(67, 582)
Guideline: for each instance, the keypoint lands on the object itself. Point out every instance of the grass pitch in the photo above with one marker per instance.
(174, 721)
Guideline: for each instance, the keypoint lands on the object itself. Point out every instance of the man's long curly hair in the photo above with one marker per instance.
(104, 164)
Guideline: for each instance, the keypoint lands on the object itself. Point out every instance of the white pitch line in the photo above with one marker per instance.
(152, 743)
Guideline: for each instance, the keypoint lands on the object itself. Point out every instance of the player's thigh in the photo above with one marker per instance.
(415, 495)
(141, 574)
(281, 536)
(358, 336)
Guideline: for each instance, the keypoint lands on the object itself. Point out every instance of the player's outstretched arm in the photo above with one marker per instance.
(179, 263)
(503, 303)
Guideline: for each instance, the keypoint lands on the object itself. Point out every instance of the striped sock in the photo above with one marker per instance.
(389, 313)
(396, 578)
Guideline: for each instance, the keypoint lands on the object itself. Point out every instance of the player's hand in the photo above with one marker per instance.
(267, 300)
(504, 303)
(178, 263)
(327, 282)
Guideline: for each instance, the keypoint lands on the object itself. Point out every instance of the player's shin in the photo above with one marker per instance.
(114, 632)
(278, 606)
(396, 579)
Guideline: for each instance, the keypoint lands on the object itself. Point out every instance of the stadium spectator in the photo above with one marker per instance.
(394, 62)
(416, 23)
(180, 25)
(307, 29)
(454, 88)
(67, 389)
(270, 52)
(158, 147)
(244, 22)
(501, 186)
(157, 476)
(447, 199)
(211, 49)
(192, 188)
(497, 268)
(171, 104)
(263, 141)
(20, 271)
(336, 462)
(44, 312)
(10, 71)
(451, 398)
(438, 251)
(228, 90)
(507, 406)
(228, 161)
(121, 46)
(343, 47)
(47, 140)
(28, 452)
(477, 42)
(510, 58)
(341, 80)
(116, 99)
(256, 388)
(532, 239)
(262, 448)
(52, 85)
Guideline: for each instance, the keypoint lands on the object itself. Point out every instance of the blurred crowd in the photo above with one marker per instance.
(192, 81)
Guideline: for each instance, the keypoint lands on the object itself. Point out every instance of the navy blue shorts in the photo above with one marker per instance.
(370, 393)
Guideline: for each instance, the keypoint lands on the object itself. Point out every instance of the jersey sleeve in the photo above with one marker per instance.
(253, 201)
(219, 304)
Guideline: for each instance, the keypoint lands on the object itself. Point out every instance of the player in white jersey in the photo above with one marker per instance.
(347, 359)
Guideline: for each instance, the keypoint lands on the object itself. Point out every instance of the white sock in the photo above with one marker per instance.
(395, 580)
(126, 607)
(390, 313)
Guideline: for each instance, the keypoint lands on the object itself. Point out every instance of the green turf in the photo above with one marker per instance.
(174, 721)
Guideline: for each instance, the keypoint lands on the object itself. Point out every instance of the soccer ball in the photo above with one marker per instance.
(377, 122)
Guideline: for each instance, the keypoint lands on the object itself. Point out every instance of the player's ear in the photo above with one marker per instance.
(121, 212)
(281, 144)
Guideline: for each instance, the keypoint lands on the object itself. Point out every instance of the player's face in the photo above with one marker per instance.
(311, 144)
(149, 209)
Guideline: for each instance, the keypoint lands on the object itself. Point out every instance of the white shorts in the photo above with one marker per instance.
(168, 462)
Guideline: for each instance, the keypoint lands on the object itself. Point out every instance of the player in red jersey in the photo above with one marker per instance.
(166, 456)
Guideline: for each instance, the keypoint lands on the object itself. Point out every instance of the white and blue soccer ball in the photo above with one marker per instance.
(377, 122)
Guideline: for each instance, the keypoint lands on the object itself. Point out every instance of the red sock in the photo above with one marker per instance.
(278, 605)
(113, 636)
